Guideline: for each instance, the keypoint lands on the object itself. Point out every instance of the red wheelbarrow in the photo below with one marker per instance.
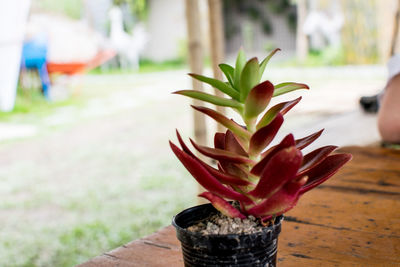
(71, 68)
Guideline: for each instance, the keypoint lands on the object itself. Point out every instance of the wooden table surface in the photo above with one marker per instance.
(351, 220)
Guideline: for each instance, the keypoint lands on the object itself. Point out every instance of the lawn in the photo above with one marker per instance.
(98, 174)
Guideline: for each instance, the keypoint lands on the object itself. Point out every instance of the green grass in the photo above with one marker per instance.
(32, 103)
(87, 215)
(330, 56)
(82, 189)
(145, 66)
(71, 8)
(150, 66)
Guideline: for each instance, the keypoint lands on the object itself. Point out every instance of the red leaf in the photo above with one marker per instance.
(220, 154)
(258, 99)
(204, 178)
(315, 157)
(281, 169)
(263, 137)
(282, 108)
(231, 125)
(183, 145)
(219, 140)
(227, 178)
(305, 141)
(224, 178)
(286, 106)
(324, 170)
(288, 141)
(233, 169)
(233, 144)
(222, 205)
(280, 202)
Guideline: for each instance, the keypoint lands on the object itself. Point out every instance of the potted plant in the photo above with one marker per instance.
(253, 183)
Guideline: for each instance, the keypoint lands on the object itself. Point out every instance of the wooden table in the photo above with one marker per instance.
(351, 220)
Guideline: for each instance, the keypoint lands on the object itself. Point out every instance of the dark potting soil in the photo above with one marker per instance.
(219, 224)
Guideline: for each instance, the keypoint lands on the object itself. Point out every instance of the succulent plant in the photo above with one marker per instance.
(266, 180)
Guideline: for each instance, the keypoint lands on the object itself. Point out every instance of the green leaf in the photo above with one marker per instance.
(220, 85)
(229, 72)
(249, 78)
(240, 62)
(264, 63)
(284, 88)
(216, 100)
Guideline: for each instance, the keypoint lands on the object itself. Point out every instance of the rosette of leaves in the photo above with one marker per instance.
(266, 180)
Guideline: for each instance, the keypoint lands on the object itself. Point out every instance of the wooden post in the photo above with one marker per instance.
(196, 66)
(301, 38)
(217, 45)
(395, 30)
(385, 15)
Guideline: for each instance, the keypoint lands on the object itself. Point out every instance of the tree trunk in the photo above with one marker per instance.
(217, 45)
(196, 63)
(196, 66)
(395, 30)
(301, 38)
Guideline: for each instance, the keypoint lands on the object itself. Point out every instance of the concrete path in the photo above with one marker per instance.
(334, 92)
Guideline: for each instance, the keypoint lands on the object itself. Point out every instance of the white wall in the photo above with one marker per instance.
(13, 16)
(166, 27)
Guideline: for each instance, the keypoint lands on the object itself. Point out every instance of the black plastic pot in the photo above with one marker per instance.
(257, 249)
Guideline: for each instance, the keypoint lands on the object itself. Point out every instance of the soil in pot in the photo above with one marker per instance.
(203, 247)
(219, 224)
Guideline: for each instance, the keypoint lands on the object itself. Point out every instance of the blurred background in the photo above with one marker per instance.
(87, 111)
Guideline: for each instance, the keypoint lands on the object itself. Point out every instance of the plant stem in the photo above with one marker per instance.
(250, 124)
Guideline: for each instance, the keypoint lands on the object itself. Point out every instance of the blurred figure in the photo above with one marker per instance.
(127, 46)
(34, 57)
(389, 104)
